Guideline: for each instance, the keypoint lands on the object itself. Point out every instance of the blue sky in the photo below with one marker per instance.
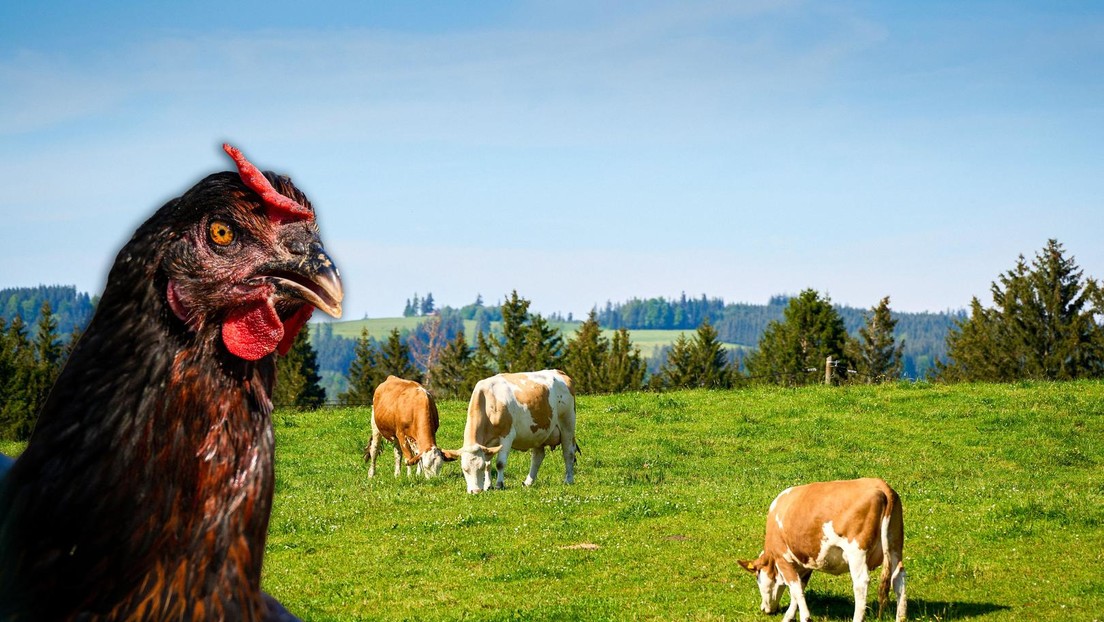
(577, 152)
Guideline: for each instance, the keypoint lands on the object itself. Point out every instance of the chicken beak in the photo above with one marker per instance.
(311, 277)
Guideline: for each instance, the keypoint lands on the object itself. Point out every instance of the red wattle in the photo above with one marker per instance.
(252, 331)
(292, 327)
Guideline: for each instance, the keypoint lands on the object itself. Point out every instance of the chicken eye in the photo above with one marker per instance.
(220, 233)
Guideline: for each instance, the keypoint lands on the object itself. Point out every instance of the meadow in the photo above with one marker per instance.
(1002, 486)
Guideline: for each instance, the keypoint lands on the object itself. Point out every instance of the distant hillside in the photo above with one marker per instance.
(70, 307)
(742, 324)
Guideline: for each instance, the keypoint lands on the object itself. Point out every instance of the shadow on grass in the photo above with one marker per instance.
(837, 607)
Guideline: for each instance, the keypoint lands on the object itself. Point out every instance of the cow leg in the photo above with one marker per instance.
(500, 464)
(538, 457)
(797, 594)
(860, 582)
(899, 589)
(569, 460)
(487, 474)
(372, 450)
(398, 458)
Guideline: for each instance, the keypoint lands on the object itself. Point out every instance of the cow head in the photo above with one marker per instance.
(475, 462)
(769, 580)
(429, 461)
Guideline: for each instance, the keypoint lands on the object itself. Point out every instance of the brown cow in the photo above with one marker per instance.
(404, 413)
(835, 527)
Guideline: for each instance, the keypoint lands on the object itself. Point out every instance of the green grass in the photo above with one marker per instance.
(1002, 486)
(1003, 489)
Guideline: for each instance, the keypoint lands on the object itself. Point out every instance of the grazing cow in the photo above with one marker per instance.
(836, 527)
(404, 413)
(522, 411)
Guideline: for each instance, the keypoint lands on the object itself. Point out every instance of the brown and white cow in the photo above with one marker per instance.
(836, 527)
(517, 411)
(404, 413)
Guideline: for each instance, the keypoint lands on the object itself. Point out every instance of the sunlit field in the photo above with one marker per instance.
(1002, 486)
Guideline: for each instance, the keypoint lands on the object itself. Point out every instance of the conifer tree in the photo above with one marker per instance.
(394, 359)
(625, 368)
(364, 373)
(1043, 325)
(17, 412)
(450, 377)
(47, 353)
(7, 373)
(708, 359)
(876, 354)
(511, 350)
(586, 357)
(677, 371)
(481, 364)
(811, 330)
(543, 346)
(297, 379)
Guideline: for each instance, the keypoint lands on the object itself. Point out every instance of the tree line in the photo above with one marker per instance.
(1044, 323)
(924, 334)
(29, 364)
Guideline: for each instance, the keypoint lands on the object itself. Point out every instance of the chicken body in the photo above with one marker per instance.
(146, 488)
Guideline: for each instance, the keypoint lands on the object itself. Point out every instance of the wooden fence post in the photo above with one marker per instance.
(828, 370)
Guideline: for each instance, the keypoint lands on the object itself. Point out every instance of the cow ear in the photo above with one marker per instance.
(491, 450)
(747, 565)
(414, 460)
(450, 455)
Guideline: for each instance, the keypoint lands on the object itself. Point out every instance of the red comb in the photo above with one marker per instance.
(278, 207)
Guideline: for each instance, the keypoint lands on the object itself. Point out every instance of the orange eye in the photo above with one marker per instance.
(220, 233)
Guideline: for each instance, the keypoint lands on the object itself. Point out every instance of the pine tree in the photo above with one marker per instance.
(511, 350)
(1043, 325)
(481, 364)
(47, 353)
(586, 357)
(876, 353)
(297, 379)
(394, 359)
(544, 347)
(708, 358)
(450, 377)
(364, 373)
(811, 330)
(625, 368)
(427, 304)
(7, 373)
(17, 412)
(677, 370)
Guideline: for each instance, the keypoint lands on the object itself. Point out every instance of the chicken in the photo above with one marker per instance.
(145, 490)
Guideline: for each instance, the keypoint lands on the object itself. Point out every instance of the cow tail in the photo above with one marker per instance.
(891, 512)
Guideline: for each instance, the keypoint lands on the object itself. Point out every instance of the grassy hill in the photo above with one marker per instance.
(1002, 486)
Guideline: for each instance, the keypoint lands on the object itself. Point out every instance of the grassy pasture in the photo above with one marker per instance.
(1003, 490)
(1002, 485)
